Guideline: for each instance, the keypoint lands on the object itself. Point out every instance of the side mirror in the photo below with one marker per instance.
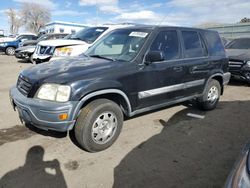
(154, 56)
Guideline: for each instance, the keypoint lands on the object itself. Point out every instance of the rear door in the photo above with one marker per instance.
(196, 62)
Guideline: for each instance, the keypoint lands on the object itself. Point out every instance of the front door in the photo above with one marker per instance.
(160, 81)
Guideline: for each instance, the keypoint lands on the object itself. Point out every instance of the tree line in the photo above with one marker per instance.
(31, 16)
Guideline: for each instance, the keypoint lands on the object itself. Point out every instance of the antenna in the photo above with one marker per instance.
(97, 12)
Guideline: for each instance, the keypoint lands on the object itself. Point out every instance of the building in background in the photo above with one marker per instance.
(1, 32)
(62, 27)
(231, 31)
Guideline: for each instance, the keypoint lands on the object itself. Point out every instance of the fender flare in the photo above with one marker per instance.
(210, 78)
(101, 92)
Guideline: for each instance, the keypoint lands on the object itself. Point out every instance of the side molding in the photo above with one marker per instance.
(167, 89)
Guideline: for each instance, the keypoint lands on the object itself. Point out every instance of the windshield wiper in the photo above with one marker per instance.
(76, 38)
(102, 57)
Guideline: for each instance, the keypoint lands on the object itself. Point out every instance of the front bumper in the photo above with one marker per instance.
(22, 55)
(241, 74)
(2, 49)
(43, 114)
(41, 58)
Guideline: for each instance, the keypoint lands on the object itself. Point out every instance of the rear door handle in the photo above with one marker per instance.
(178, 69)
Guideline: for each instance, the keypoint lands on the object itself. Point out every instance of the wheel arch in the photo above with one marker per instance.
(219, 78)
(115, 95)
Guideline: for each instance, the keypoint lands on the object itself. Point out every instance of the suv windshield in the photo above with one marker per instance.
(122, 44)
(239, 44)
(89, 35)
(43, 37)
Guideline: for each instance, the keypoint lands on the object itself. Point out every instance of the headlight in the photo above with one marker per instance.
(54, 92)
(64, 51)
(248, 63)
(3, 44)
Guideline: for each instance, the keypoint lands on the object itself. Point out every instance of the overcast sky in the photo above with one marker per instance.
(171, 12)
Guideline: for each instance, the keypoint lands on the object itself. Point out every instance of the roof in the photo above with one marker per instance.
(152, 27)
(65, 23)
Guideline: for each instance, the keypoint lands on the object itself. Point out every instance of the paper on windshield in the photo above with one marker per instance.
(138, 34)
(99, 30)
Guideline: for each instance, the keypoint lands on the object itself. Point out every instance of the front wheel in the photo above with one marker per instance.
(211, 96)
(98, 125)
(10, 51)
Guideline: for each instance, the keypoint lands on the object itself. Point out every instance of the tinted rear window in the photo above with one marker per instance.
(194, 46)
(215, 45)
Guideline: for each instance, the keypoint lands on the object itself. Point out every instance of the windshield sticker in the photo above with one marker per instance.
(99, 30)
(138, 34)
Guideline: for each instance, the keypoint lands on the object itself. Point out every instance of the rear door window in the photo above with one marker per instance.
(168, 43)
(215, 45)
(194, 46)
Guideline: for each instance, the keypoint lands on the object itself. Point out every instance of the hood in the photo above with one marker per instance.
(61, 42)
(69, 69)
(238, 54)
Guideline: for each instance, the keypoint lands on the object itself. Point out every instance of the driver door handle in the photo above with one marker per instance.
(178, 69)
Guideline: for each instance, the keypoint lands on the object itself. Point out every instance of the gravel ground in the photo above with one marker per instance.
(164, 148)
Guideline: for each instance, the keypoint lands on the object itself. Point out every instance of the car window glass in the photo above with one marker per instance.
(167, 42)
(194, 47)
(89, 35)
(239, 44)
(214, 42)
(120, 45)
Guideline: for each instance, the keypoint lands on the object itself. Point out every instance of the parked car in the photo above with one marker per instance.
(47, 36)
(14, 37)
(10, 46)
(238, 52)
(127, 72)
(29, 46)
(225, 41)
(240, 174)
(73, 46)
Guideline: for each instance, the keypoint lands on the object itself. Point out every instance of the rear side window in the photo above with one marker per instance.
(168, 43)
(215, 45)
(193, 44)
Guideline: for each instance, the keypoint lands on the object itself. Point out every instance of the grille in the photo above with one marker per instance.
(23, 85)
(235, 65)
(45, 50)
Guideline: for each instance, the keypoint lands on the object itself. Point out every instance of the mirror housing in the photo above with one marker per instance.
(154, 56)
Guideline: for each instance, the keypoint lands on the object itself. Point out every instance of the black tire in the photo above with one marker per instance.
(204, 103)
(86, 122)
(10, 51)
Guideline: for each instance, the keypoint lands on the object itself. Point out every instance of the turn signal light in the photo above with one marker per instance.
(63, 116)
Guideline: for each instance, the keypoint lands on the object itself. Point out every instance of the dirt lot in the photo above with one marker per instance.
(164, 148)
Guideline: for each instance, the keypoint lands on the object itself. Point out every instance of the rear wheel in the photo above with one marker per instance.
(10, 51)
(98, 125)
(211, 96)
